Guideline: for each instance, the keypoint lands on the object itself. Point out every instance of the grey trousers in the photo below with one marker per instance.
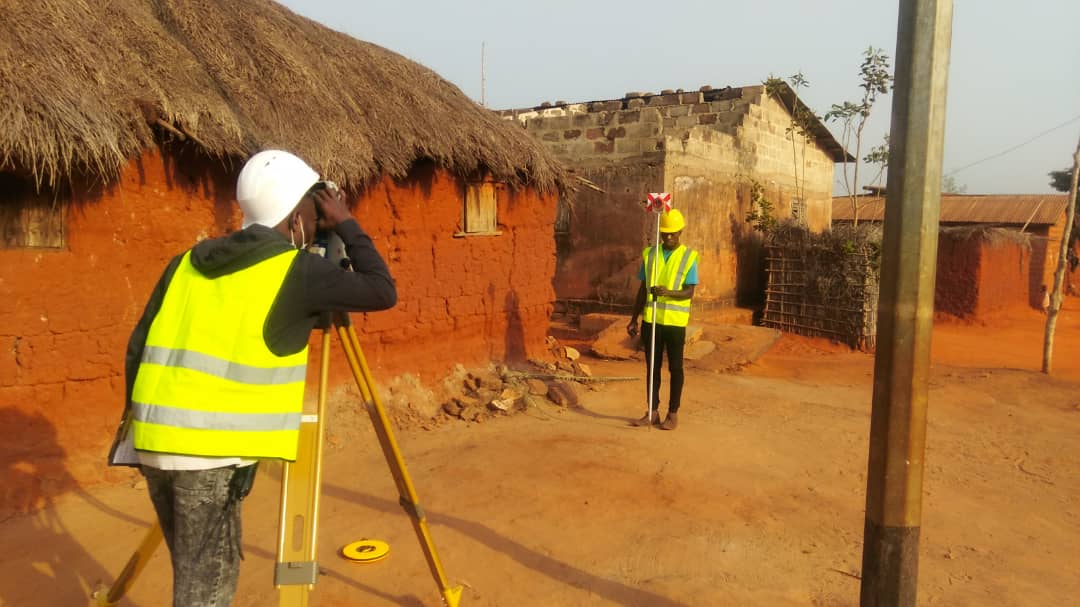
(200, 518)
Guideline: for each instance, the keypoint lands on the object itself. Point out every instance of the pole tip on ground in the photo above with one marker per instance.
(452, 596)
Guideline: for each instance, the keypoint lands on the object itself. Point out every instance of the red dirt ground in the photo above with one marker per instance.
(757, 499)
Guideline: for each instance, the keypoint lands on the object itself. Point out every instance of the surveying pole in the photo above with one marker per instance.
(653, 264)
(906, 306)
(659, 203)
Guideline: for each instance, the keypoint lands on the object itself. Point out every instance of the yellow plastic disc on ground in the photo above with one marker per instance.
(366, 551)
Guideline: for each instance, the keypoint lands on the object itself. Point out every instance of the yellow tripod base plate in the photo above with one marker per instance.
(366, 551)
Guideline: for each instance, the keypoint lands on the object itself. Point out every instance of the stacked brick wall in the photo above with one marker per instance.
(65, 315)
(604, 132)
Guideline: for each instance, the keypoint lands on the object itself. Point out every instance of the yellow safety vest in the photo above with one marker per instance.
(669, 273)
(208, 384)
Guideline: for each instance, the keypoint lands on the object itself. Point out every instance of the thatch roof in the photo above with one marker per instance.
(1010, 209)
(86, 85)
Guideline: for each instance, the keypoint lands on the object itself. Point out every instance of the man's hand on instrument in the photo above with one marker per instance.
(332, 209)
(659, 291)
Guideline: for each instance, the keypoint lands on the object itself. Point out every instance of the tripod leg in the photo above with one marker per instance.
(381, 422)
(131, 570)
(297, 570)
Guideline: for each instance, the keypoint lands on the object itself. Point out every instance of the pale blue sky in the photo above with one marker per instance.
(1015, 69)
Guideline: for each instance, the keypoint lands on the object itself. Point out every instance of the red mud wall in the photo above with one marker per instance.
(460, 299)
(956, 290)
(977, 278)
(65, 315)
(1003, 281)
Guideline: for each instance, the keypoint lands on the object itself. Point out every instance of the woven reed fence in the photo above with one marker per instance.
(824, 285)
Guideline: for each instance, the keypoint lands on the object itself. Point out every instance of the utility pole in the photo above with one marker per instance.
(906, 306)
(1059, 272)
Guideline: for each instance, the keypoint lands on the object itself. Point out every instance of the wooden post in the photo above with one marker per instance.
(1059, 272)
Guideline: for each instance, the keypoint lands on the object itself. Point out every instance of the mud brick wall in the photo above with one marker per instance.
(66, 314)
(977, 278)
(703, 146)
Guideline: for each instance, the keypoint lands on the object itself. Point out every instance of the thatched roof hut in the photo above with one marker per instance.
(86, 86)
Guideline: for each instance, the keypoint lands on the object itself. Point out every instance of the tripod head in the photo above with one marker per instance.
(330, 246)
(327, 243)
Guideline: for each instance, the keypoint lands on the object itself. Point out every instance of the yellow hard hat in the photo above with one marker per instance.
(672, 221)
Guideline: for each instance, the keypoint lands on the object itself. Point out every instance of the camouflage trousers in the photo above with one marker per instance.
(200, 518)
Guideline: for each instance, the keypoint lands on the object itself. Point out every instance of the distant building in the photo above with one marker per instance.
(707, 148)
(979, 273)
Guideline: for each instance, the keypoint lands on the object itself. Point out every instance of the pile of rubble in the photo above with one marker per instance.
(499, 390)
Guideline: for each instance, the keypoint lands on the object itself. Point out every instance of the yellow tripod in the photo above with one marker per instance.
(296, 570)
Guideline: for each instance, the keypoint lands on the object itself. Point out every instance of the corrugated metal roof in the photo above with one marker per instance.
(1018, 209)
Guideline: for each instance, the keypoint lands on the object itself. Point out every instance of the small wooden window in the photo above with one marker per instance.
(29, 219)
(480, 208)
(798, 211)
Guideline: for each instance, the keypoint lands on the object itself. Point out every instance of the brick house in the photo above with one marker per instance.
(977, 273)
(129, 155)
(707, 148)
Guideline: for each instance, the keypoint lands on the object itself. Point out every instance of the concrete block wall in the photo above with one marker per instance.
(764, 139)
(613, 131)
(745, 122)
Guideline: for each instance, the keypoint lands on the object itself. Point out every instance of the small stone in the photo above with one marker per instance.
(537, 387)
(565, 366)
(486, 396)
(491, 382)
(562, 394)
(570, 353)
(452, 408)
(583, 369)
(471, 413)
(472, 382)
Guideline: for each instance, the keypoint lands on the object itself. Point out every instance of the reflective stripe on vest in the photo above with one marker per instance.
(208, 384)
(671, 274)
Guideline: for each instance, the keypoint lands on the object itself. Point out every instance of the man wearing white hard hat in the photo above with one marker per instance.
(216, 366)
(671, 280)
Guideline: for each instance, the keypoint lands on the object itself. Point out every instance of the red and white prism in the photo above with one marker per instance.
(658, 202)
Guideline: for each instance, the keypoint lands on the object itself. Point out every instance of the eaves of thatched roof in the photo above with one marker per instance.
(87, 85)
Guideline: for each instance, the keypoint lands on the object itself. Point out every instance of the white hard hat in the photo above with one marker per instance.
(270, 186)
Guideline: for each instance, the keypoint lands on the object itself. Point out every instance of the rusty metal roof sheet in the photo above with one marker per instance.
(1018, 209)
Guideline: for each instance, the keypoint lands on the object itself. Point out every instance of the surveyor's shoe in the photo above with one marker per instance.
(645, 420)
(671, 422)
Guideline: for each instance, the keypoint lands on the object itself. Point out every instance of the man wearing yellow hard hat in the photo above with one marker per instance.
(668, 282)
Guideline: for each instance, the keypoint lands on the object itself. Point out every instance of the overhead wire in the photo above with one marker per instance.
(1015, 147)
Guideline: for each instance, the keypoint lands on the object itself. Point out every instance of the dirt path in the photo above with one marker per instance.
(757, 499)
